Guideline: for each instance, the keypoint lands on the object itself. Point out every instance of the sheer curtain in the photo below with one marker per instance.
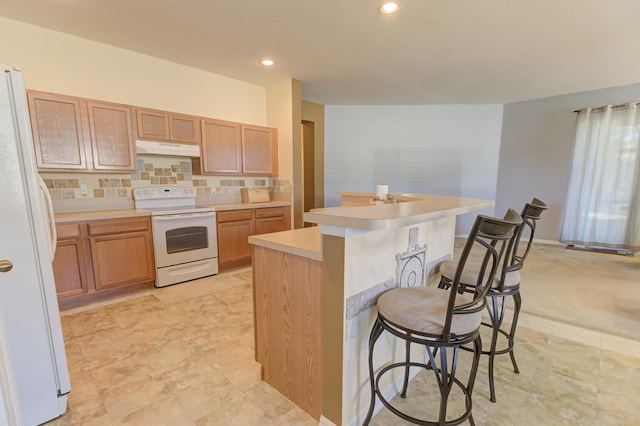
(602, 206)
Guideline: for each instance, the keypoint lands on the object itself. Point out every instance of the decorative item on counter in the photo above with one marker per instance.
(382, 191)
(255, 195)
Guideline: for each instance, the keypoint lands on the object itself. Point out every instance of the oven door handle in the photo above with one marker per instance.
(183, 215)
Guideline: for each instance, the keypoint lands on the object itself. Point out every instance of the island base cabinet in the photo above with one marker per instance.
(288, 325)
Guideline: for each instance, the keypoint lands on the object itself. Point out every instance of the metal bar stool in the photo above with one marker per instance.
(442, 320)
(505, 285)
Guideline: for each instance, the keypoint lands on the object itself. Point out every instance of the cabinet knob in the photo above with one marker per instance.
(5, 265)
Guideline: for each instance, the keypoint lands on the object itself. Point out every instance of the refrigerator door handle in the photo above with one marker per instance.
(51, 221)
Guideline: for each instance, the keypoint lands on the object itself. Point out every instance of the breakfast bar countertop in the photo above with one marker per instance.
(411, 209)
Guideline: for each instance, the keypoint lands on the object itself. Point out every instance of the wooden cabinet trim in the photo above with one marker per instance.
(66, 231)
(114, 226)
(234, 215)
(270, 212)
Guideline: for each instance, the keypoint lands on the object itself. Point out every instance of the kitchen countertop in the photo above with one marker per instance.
(98, 215)
(242, 206)
(304, 242)
(123, 213)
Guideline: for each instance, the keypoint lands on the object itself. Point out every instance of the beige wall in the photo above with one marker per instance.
(56, 62)
(283, 112)
(314, 112)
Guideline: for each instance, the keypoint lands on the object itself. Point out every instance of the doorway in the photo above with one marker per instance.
(308, 167)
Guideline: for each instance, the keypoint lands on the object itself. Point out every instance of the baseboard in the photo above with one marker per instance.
(325, 422)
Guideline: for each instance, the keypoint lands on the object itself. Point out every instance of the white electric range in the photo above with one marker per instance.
(184, 234)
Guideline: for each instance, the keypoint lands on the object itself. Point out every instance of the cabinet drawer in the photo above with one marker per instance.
(234, 215)
(270, 212)
(68, 231)
(117, 226)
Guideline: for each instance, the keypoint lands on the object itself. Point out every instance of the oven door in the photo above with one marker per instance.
(183, 238)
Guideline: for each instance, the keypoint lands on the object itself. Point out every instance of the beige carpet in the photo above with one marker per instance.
(597, 291)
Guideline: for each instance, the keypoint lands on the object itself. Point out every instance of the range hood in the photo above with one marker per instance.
(167, 148)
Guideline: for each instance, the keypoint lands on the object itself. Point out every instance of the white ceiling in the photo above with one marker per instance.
(347, 52)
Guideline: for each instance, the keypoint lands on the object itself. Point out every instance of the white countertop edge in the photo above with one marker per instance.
(303, 242)
(243, 206)
(80, 216)
(99, 215)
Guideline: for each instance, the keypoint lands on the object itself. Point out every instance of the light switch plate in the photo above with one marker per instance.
(84, 189)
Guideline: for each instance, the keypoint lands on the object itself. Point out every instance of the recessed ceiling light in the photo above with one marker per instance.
(267, 62)
(389, 7)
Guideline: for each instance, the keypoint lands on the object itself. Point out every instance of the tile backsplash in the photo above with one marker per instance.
(153, 170)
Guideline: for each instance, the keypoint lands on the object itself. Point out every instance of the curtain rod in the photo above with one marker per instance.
(604, 106)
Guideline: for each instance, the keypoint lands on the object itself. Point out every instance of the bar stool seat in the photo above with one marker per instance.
(424, 310)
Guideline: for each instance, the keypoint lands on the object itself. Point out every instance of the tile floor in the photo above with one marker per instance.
(183, 355)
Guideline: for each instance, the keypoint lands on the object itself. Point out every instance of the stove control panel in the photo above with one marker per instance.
(163, 192)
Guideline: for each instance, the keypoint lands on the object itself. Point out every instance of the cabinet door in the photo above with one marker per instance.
(271, 224)
(111, 137)
(56, 123)
(259, 150)
(69, 268)
(221, 147)
(184, 129)
(233, 241)
(122, 259)
(152, 124)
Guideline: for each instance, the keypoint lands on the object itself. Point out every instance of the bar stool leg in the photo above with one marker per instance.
(376, 331)
(496, 314)
(516, 311)
(403, 394)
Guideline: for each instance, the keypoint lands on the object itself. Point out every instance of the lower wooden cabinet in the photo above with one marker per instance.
(234, 229)
(121, 252)
(236, 226)
(69, 264)
(105, 254)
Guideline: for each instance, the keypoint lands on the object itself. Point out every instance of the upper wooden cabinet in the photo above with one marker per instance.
(75, 134)
(221, 147)
(167, 126)
(235, 148)
(57, 126)
(259, 150)
(111, 138)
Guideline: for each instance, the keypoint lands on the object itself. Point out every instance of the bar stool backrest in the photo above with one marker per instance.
(495, 236)
(531, 213)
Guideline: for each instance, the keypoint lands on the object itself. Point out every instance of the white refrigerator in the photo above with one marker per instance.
(28, 305)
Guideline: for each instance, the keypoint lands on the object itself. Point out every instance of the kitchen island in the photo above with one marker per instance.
(363, 252)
